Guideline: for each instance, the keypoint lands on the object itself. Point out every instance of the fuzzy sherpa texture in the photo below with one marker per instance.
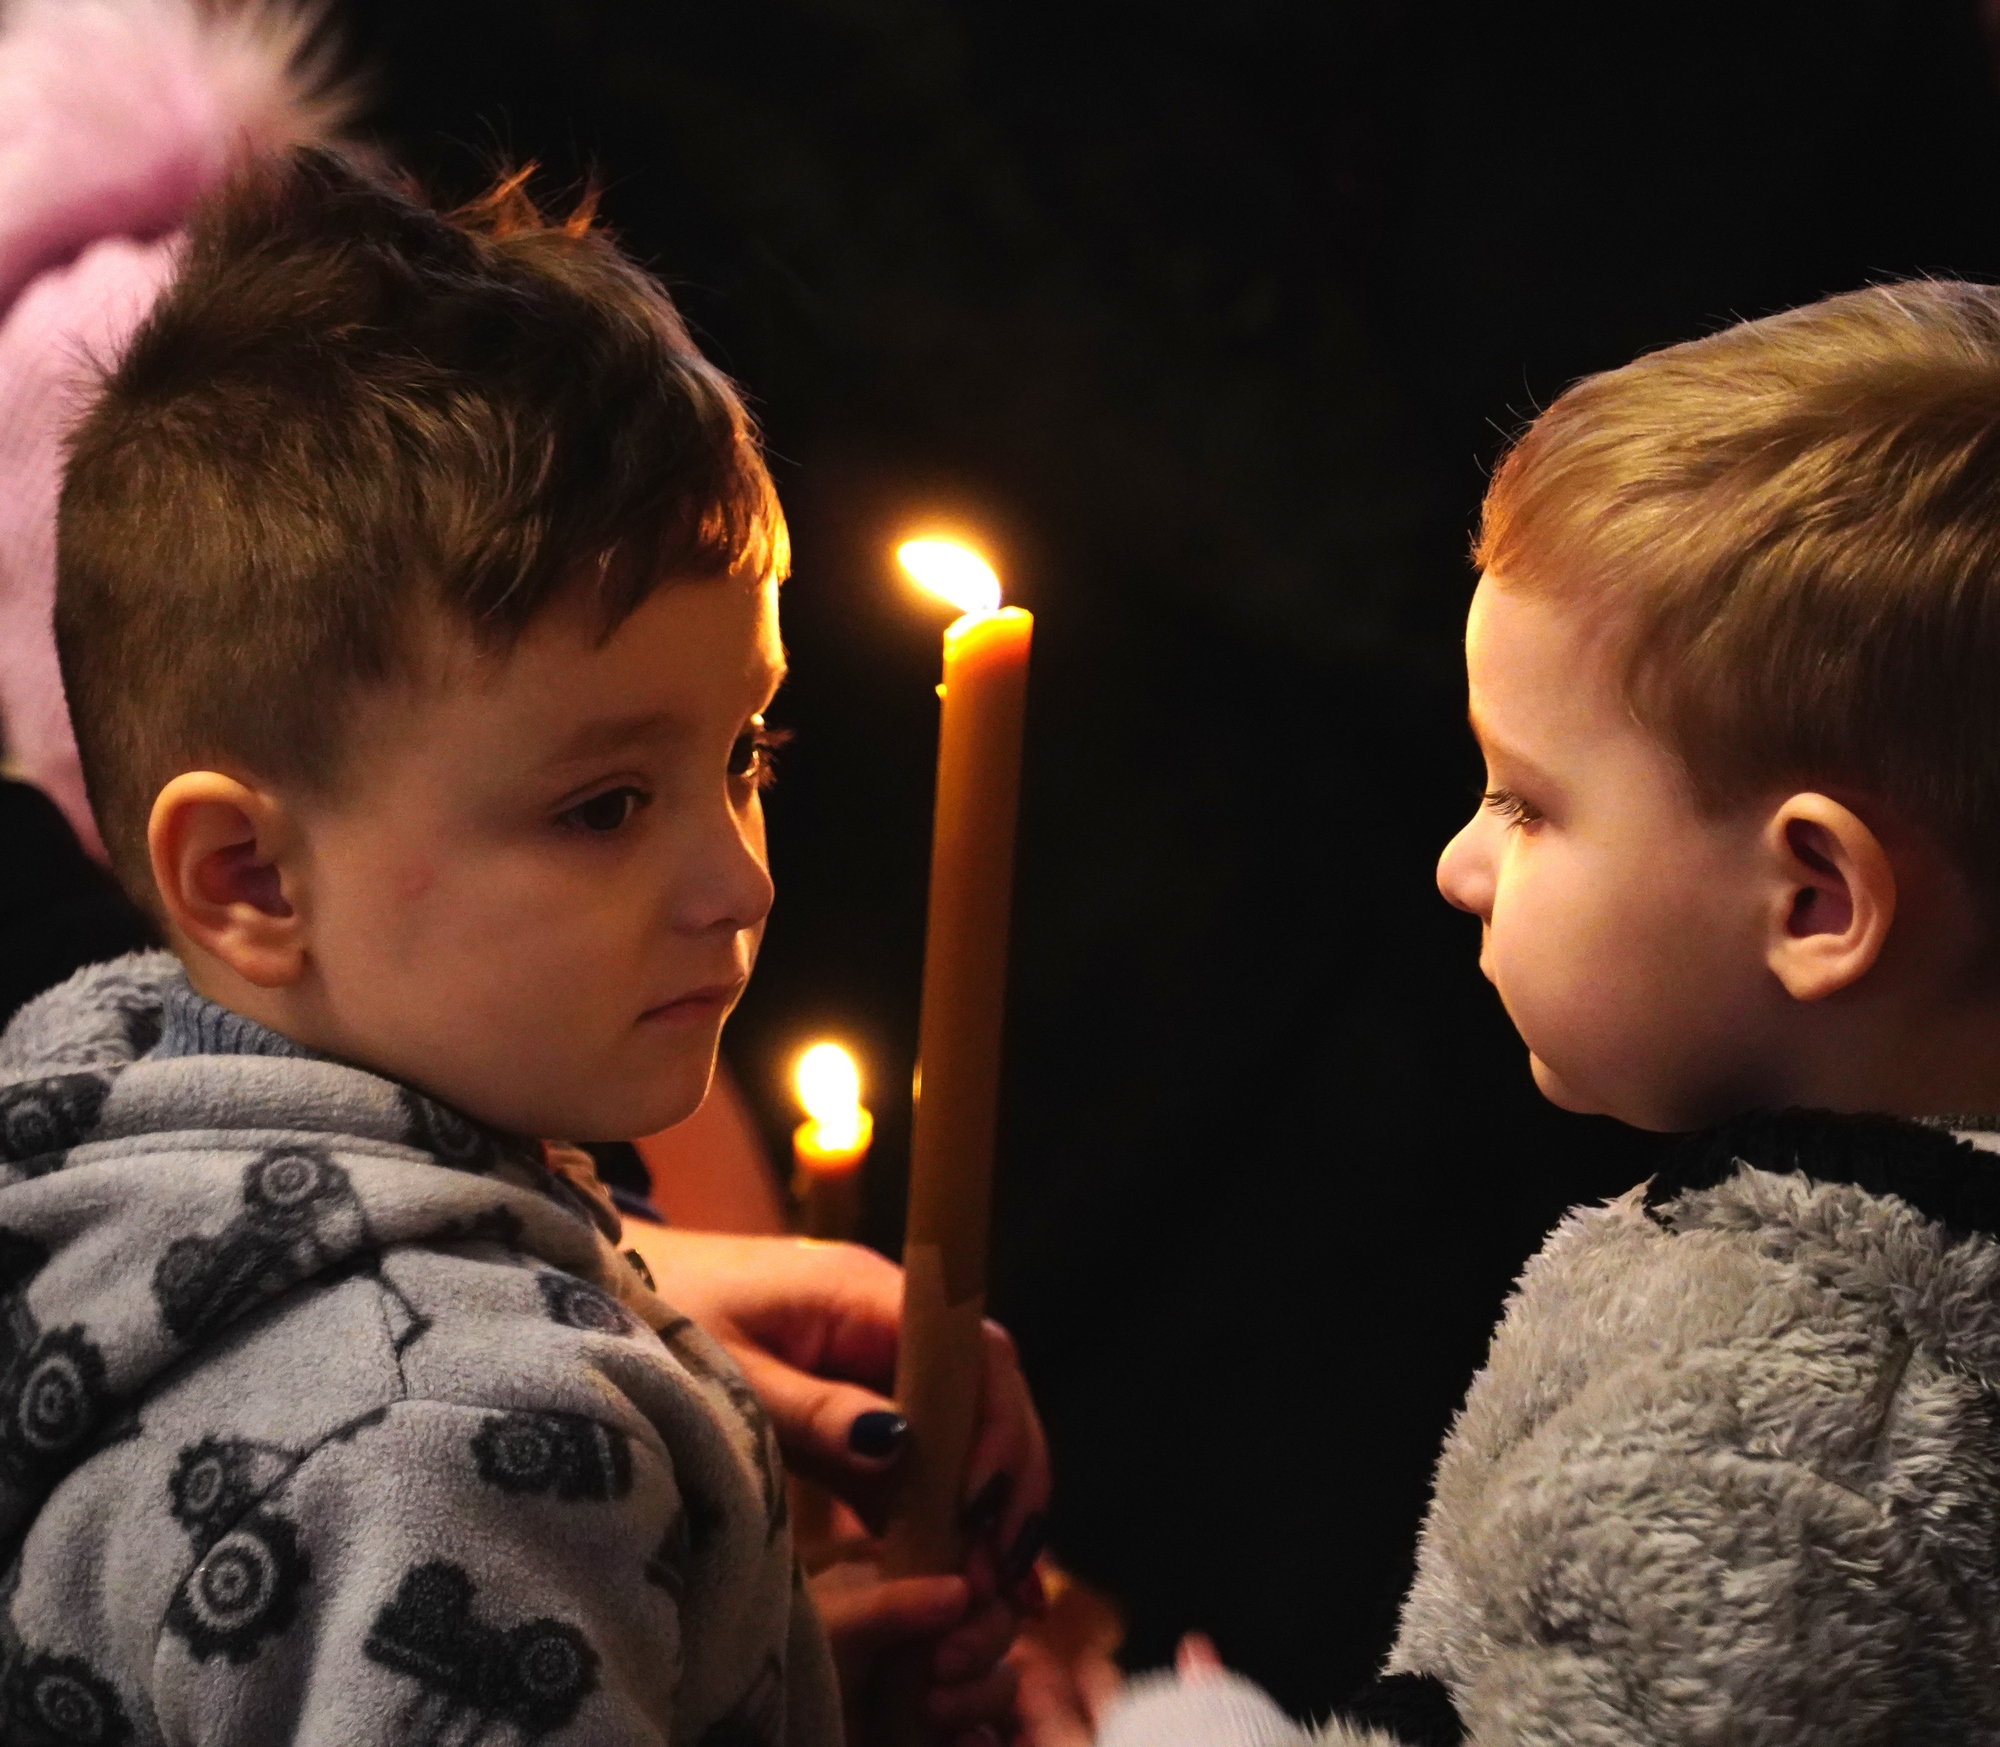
(116, 117)
(329, 1417)
(1731, 1474)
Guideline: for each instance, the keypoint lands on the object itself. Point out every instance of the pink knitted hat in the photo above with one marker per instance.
(116, 116)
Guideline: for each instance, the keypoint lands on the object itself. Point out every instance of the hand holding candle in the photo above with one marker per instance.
(965, 966)
(831, 1144)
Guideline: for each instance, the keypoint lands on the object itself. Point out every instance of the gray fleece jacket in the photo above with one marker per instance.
(1731, 1473)
(329, 1418)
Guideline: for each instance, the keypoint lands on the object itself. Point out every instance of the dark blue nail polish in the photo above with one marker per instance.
(877, 1433)
(988, 1504)
(1027, 1548)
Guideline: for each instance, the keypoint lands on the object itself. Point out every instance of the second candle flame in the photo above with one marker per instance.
(952, 572)
(829, 1087)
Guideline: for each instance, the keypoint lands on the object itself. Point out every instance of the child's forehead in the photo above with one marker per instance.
(1517, 644)
(699, 629)
(1539, 669)
(687, 656)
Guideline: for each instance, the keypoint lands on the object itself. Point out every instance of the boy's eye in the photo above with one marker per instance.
(1510, 806)
(752, 757)
(607, 812)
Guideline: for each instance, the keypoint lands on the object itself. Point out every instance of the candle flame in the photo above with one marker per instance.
(829, 1087)
(953, 572)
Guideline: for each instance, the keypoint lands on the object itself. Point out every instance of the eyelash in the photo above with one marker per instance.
(1510, 807)
(757, 749)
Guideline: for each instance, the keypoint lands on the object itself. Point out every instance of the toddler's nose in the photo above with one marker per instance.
(1464, 875)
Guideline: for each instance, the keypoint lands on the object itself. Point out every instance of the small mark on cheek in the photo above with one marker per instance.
(413, 882)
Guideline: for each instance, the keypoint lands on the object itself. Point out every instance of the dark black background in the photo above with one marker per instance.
(1207, 319)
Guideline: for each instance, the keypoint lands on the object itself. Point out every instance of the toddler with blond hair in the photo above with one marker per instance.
(1731, 1472)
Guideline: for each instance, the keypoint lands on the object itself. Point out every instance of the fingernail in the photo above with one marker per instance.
(988, 1504)
(1027, 1548)
(877, 1433)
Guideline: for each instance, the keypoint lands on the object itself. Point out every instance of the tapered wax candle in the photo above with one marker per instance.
(958, 1064)
(828, 1149)
(831, 1145)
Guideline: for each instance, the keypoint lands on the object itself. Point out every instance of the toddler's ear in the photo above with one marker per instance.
(220, 850)
(1834, 897)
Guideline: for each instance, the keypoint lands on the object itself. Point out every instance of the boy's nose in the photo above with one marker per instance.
(730, 883)
(1463, 873)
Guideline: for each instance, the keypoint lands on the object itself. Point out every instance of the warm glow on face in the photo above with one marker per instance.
(829, 1087)
(952, 572)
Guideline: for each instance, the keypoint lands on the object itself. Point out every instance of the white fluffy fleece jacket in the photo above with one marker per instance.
(1731, 1473)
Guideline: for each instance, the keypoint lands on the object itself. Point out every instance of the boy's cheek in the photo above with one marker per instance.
(1565, 998)
(413, 881)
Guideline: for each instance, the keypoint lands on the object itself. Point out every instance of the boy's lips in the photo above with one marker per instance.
(696, 1005)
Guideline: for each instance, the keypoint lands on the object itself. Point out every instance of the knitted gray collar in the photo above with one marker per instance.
(192, 1024)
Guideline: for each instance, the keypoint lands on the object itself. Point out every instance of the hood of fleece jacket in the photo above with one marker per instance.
(146, 1205)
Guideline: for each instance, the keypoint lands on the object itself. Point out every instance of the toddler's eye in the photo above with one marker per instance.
(1510, 806)
(752, 757)
(605, 813)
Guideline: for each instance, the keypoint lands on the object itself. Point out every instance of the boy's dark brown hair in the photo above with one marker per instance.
(1791, 528)
(349, 407)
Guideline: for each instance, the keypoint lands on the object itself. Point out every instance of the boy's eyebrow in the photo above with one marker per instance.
(612, 734)
(615, 733)
(1492, 746)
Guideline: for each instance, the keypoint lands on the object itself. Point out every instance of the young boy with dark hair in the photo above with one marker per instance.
(417, 607)
(1732, 1471)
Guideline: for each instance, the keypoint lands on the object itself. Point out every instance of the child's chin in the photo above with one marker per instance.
(671, 1100)
(625, 1109)
(1561, 1093)
(1656, 1109)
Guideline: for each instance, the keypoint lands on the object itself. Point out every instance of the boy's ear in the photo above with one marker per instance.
(220, 851)
(1835, 897)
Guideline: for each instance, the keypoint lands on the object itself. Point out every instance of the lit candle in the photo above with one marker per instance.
(940, 1355)
(830, 1145)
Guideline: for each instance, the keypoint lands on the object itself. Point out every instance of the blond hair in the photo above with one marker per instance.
(1793, 527)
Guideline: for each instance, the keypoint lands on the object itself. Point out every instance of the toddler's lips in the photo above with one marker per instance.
(695, 1007)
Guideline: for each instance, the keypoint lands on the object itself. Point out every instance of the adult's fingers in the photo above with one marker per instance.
(976, 1643)
(814, 1328)
(1007, 1483)
(1098, 1682)
(1048, 1708)
(833, 1309)
(1197, 1658)
(989, 1699)
(844, 1436)
(864, 1615)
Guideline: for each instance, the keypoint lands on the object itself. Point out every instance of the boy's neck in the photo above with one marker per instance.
(1939, 1064)
(286, 1013)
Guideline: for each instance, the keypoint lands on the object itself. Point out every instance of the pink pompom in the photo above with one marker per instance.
(116, 116)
